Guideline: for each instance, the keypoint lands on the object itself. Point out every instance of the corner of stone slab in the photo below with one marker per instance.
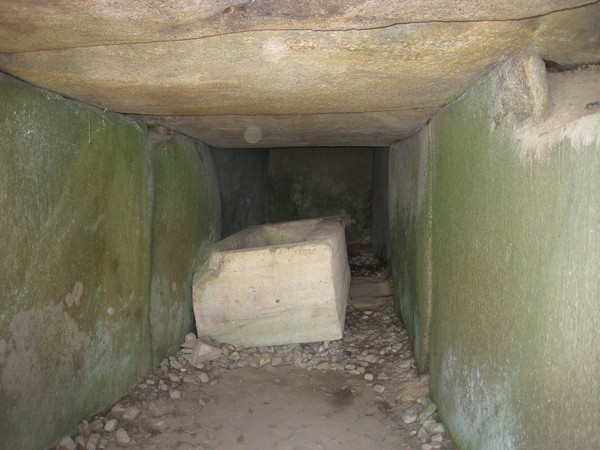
(523, 91)
(537, 82)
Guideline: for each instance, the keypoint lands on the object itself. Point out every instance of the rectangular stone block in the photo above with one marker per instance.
(274, 284)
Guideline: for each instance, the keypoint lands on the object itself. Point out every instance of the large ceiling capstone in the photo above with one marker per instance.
(275, 73)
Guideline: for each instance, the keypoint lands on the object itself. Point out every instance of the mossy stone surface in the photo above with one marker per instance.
(186, 218)
(74, 262)
(409, 199)
(514, 343)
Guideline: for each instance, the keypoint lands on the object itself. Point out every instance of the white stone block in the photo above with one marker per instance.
(274, 284)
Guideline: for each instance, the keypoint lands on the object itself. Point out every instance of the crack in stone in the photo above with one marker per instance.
(316, 30)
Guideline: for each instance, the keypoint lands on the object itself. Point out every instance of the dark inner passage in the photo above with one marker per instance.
(473, 238)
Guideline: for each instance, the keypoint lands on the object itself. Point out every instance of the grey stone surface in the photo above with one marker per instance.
(131, 413)
(122, 436)
(122, 23)
(320, 182)
(66, 444)
(303, 298)
(111, 425)
(203, 352)
(368, 292)
(242, 175)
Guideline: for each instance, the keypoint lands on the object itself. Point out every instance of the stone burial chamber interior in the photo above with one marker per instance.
(459, 140)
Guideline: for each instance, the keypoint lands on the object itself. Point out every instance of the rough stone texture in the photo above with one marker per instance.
(410, 215)
(186, 217)
(274, 284)
(318, 182)
(203, 352)
(369, 292)
(358, 129)
(569, 37)
(88, 23)
(515, 252)
(303, 73)
(74, 262)
(75, 258)
(242, 175)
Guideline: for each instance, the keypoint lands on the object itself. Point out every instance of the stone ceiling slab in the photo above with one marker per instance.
(303, 73)
(28, 25)
(279, 72)
(367, 129)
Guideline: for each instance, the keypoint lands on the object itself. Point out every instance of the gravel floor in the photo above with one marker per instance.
(369, 396)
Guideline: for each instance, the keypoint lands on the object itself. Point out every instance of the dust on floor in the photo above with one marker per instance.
(361, 392)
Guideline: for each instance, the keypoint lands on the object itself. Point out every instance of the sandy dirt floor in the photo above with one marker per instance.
(362, 392)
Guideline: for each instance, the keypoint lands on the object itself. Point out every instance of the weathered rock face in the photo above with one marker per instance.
(319, 182)
(494, 234)
(100, 224)
(82, 23)
(242, 175)
(294, 73)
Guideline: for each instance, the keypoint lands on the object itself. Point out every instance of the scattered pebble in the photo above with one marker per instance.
(85, 429)
(131, 413)
(122, 436)
(118, 409)
(79, 442)
(438, 428)
(175, 364)
(94, 440)
(429, 410)
(204, 378)
(375, 346)
(276, 361)
(111, 425)
(409, 417)
(371, 358)
(189, 378)
(66, 444)
(97, 426)
(203, 352)
(367, 266)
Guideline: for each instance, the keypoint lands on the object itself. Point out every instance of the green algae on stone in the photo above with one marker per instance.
(515, 255)
(74, 262)
(186, 218)
(409, 192)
